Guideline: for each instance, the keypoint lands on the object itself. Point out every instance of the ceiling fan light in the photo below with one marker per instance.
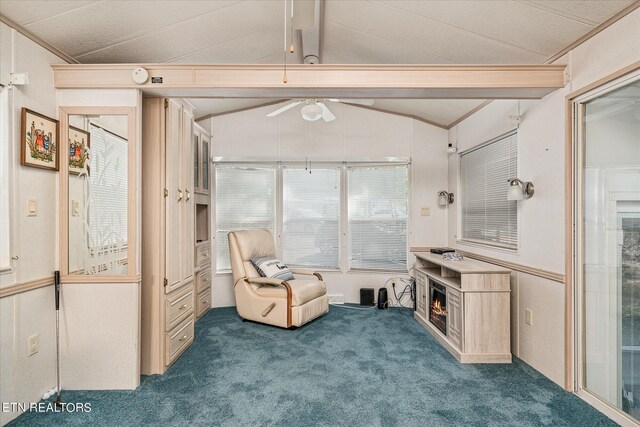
(311, 112)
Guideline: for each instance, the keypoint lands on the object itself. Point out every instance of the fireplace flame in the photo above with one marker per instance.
(436, 307)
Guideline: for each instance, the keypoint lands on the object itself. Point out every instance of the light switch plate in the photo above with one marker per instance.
(528, 317)
(33, 344)
(425, 211)
(32, 207)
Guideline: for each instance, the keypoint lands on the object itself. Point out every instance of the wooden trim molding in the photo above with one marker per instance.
(289, 302)
(96, 278)
(322, 80)
(28, 34)
(30, 285)
(538, 272)
(469, 114)
(615, 18)
(396, 113)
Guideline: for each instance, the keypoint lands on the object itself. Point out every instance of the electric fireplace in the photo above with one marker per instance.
(438, 305)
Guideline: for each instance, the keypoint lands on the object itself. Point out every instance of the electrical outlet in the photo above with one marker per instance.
(528, 317)
(33, 344)
(425, 211)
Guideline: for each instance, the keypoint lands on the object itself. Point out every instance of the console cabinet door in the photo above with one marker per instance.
(421, 295)
(454, 318)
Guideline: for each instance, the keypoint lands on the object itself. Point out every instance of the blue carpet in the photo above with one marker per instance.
(348, 368)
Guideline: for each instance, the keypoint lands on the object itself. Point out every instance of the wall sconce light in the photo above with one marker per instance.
(444, 198)
(519, 190)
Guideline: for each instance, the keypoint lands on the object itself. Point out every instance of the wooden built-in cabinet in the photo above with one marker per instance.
(477, 307)
(202, 248)
(168, 232)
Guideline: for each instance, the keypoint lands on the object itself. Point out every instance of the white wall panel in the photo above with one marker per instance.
(356, 134)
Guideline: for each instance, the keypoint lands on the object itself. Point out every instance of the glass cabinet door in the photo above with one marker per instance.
(205, 165)
(196, 163)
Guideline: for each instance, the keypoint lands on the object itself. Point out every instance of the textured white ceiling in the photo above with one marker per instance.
(358, 31)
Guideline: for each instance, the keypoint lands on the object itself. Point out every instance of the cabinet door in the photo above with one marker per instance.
(204, 183)
(174, 196)
(196, 162)
(188, 224)
(454, 317)
(421, 295)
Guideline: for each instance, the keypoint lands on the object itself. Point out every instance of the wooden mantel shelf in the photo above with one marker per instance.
(266, 81)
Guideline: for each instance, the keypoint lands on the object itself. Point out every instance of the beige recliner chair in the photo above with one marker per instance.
(272, 301)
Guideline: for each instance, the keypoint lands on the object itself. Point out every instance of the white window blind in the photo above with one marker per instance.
(487, 216)
(245, 199)
(108, 203)
(5, 222)
(377, 209)
(311, 217)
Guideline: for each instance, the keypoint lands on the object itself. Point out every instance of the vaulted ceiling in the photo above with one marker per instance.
(359, 32)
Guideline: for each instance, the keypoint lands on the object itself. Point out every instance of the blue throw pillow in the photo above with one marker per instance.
(272, 267)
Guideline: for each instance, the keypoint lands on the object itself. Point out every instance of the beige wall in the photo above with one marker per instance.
(356, 134)
(33, 239)
(541, 159)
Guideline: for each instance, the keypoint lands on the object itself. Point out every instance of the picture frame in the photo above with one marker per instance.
(39, 142)
(78, 151)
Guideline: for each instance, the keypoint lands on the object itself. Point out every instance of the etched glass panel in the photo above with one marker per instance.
(97, 153)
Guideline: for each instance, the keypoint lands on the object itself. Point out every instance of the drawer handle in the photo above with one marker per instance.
(183, 338)
(182, 307)
(179, 194)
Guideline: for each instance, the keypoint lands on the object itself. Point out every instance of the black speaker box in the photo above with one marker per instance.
(367, 296)
(382, 299)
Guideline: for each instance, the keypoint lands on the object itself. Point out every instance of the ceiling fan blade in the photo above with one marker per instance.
(327, 115)
(368, 102)
(283, 109)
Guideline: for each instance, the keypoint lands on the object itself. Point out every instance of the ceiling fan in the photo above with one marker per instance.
(315, 109)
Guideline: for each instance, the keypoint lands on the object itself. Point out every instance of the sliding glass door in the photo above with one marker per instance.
(609, 285)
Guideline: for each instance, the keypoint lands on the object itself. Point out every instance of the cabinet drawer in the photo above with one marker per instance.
(203, 280)
(203, 303)
(178, 307)
(178, 340)
(203, 254)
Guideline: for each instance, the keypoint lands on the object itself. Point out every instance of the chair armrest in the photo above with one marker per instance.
(265, 281)
(306, 272)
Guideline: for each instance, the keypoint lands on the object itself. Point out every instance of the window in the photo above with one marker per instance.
(378, 217)
(487, 216)
(311, 217)
(306, 208)
(245, 199)
(5, 162)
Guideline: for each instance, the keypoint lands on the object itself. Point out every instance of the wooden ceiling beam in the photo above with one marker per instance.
(265, 81)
